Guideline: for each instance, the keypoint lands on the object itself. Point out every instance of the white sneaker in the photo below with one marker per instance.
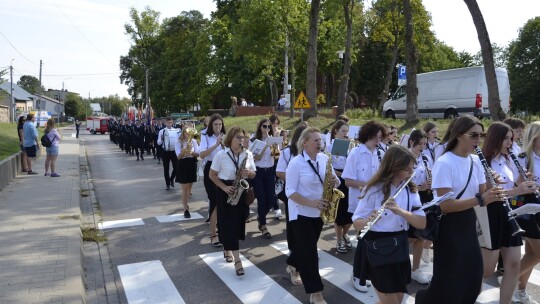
(357, 286)
(277, 214)
(521, 296)
(340, 247)
(426, 255)
(419, 276)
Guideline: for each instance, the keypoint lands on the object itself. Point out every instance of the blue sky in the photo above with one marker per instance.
(81, 41)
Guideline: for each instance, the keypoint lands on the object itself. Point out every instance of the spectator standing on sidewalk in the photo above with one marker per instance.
(30, 141)
(281, 103)
(77, 127)
(24, 159)
(52, 151)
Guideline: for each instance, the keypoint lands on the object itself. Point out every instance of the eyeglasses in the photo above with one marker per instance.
(475, 135)
(240, 137)
(265, 126)
(392, 133)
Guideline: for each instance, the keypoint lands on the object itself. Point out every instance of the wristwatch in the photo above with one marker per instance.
(480, 199)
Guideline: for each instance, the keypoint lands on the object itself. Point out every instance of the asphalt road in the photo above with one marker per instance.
(130, 189)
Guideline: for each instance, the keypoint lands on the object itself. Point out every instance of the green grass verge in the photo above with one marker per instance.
(91, 234)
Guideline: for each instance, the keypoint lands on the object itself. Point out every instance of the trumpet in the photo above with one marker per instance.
(382, 209)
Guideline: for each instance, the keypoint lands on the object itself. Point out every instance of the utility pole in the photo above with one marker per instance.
(13, 105)
(39, 93)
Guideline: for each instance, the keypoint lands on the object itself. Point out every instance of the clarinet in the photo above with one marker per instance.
(516, 230)
(381, 210)
(522, 171)
(428, 170)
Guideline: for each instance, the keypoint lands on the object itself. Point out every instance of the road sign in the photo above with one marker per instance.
(302, 102)
(402, 75)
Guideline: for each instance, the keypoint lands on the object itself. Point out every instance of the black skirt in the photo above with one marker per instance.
(343, 216)
(500, 229)
(425, 197)
(231, 220)
(389, 278)
(529, 223)
(186, 170)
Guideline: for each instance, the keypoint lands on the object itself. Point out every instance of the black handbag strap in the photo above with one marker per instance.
(468, 180)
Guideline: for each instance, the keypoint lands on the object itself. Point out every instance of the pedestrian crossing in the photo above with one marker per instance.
(140, 222)
(256, 286)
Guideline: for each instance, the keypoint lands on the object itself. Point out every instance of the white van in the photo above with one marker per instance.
(450, 93)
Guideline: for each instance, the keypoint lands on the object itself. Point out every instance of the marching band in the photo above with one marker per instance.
(387, 184)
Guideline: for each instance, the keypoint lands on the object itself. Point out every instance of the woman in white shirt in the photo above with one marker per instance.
(305, 177)
(343, 221)
(398, 164)
(362, 163)
(518, 128)
(223, 172)
(457, 262)
(433, 148)
(210, 145)
(186, 152)
(287, 154)
(264, 182)
(530, 160)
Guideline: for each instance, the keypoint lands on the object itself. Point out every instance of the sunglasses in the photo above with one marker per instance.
(475, 135)
(392, 133)
(265, 126)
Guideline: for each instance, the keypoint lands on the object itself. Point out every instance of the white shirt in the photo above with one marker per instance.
(536, 166)
(180, 145)
(361, 165)
(302, 179)
(338, 162)
(506, 170)
(452, 171)
(282, 101)
(389, 222)
(206, 143)
(420, 176)
(516, 148)
(284, 160)
(244, 103)
(170, 137)
(267, 159)
(225, 166)
(433, 151)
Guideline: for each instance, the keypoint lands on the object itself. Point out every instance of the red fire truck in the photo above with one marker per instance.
(97, 124)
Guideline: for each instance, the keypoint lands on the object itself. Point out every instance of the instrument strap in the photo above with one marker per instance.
(379, 155)
(468, 180)
(234, 160)
(314, 170)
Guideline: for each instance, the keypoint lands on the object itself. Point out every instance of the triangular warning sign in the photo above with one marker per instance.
(302, 102)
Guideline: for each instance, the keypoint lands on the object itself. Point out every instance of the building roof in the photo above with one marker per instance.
(18, 92)
(43, 97)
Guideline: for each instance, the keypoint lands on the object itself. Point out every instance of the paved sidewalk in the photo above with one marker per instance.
(40, 236)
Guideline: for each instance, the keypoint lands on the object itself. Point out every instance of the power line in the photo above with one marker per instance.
(16, 48)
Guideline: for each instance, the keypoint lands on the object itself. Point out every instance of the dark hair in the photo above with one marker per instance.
(515, 123)
(231, 134)
(395, 159)
(370, 129)
(168, 118)
(210, 128)
(258, 132)
(416, 136)
(340, 123)
(461, 125)
(428, 126)
(344, 118)
(495, 136)
(295, 136)
(22, 119)
(273, 118)
(446, 136)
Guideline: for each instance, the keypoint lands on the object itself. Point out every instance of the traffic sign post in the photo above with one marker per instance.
(402, 75)
(302, 103)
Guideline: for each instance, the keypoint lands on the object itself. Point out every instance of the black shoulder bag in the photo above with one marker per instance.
(434, 215)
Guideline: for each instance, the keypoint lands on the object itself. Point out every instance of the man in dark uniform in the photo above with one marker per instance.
(138, 139)
(119, 130)
(126, 132)
(77, 127)
(148, 139)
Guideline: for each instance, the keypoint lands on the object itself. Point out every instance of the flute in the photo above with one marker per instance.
(522, 171)
(382, 209)
(516, 230)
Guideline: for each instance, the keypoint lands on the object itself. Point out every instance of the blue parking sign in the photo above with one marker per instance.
(402, 75)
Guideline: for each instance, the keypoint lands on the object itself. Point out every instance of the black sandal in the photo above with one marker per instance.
(265, 232)
(228, 258)
(215, 244)
(239, 271)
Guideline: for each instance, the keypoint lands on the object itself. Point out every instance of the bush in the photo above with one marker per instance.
(366, 113)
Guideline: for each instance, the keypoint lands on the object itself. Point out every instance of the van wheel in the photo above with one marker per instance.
(450, 114)
(390, 114)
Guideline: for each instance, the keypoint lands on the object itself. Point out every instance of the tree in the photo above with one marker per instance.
(524, 67)
(348, 8)
(494, 100)
(311, 73)
(72, 105)
(30, 84)
(2, 73)
(412, 63)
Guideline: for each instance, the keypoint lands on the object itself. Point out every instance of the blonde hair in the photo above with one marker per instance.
(305, 136)
(531, 135)
(50, 125)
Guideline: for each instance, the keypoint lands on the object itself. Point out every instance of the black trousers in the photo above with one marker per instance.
(169, 156)
(159, 151)
(210, 188)
(307, 231)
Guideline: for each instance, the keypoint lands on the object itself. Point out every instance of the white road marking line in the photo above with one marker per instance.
(148, 282)
(254, 287)
(177, 217)
(336, 272)
(121, 223)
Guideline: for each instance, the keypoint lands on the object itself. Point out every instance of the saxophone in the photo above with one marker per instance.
(239, 184)
(330, 194)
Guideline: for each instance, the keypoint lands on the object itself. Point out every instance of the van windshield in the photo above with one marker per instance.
(399, 93)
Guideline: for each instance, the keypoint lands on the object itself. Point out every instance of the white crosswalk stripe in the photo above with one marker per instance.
(121, 223)
(177, 217)
(254, 287)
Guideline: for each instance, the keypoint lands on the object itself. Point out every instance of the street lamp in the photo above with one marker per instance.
(340, 54)
(13, 104)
